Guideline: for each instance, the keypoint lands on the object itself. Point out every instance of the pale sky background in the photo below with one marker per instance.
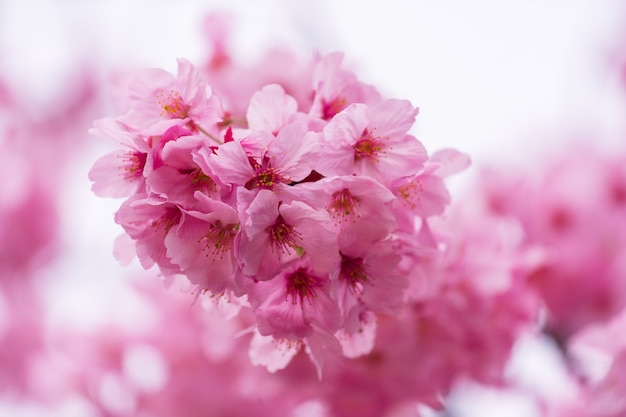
(498, 79)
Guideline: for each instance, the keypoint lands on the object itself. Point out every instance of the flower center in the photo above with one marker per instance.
(353, 271)
(201, 181)
(219, 239)
(331, 108)
(301, 285)
(134, 164)
(173, 105)
(410, 193)
(169, 218)
(267, 178)
(369, 146)
(343, 205)
(283, 236)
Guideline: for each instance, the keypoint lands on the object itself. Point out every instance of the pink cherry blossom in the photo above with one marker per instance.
(289, 157)
(277, 234)
(304, 213)
(571, 211)
(148, 222)
(175, 175)
(349, 199)
(425, 193)
(336, 88)
(202, 245)
(372, 141)
(287, 305)
(121, 172)
(296, 306)
(366, 278)
(159, 100)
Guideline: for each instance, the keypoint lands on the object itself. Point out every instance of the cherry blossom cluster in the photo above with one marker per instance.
(572, 213)
(301, 203)
(321, 245)
(297, 210)
(572, 210)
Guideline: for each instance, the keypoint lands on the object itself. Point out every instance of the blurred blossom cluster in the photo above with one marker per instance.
(305, 255)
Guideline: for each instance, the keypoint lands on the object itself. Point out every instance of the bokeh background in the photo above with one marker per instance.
(502, 80)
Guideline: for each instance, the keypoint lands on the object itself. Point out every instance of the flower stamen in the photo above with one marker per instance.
(167, 220)
(353, 272)
(283, 236)
(134, 164)
(369, 146)
(219, 239)
(301, 285)
(410, 192)
(173, 105)
(343, 205)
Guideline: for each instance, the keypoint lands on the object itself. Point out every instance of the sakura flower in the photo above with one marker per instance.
(202, 244)
(175, 176)
(296, 310)
(121, 172)
(372, 141)
(570, 211)
(350, 199)
(159, 100)
(276, 234)
(147, 222)
(286, 306)
(300, 207)
(336, 88)
(366, 278)
(289, 157)
(425, 194)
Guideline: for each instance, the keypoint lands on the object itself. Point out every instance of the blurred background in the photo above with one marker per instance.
(501, 80)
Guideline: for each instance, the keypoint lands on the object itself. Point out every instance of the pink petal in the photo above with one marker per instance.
(270, 109)
(271, 353)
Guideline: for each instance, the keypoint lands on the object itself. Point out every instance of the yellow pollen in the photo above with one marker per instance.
(133, 165)
(268, 178)
(284, 237)
(202, 182)
(219, 239)
(370, 146)
(288, 343)
(344, 205)
(172, 104)
(167, 220)
(410, 192)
